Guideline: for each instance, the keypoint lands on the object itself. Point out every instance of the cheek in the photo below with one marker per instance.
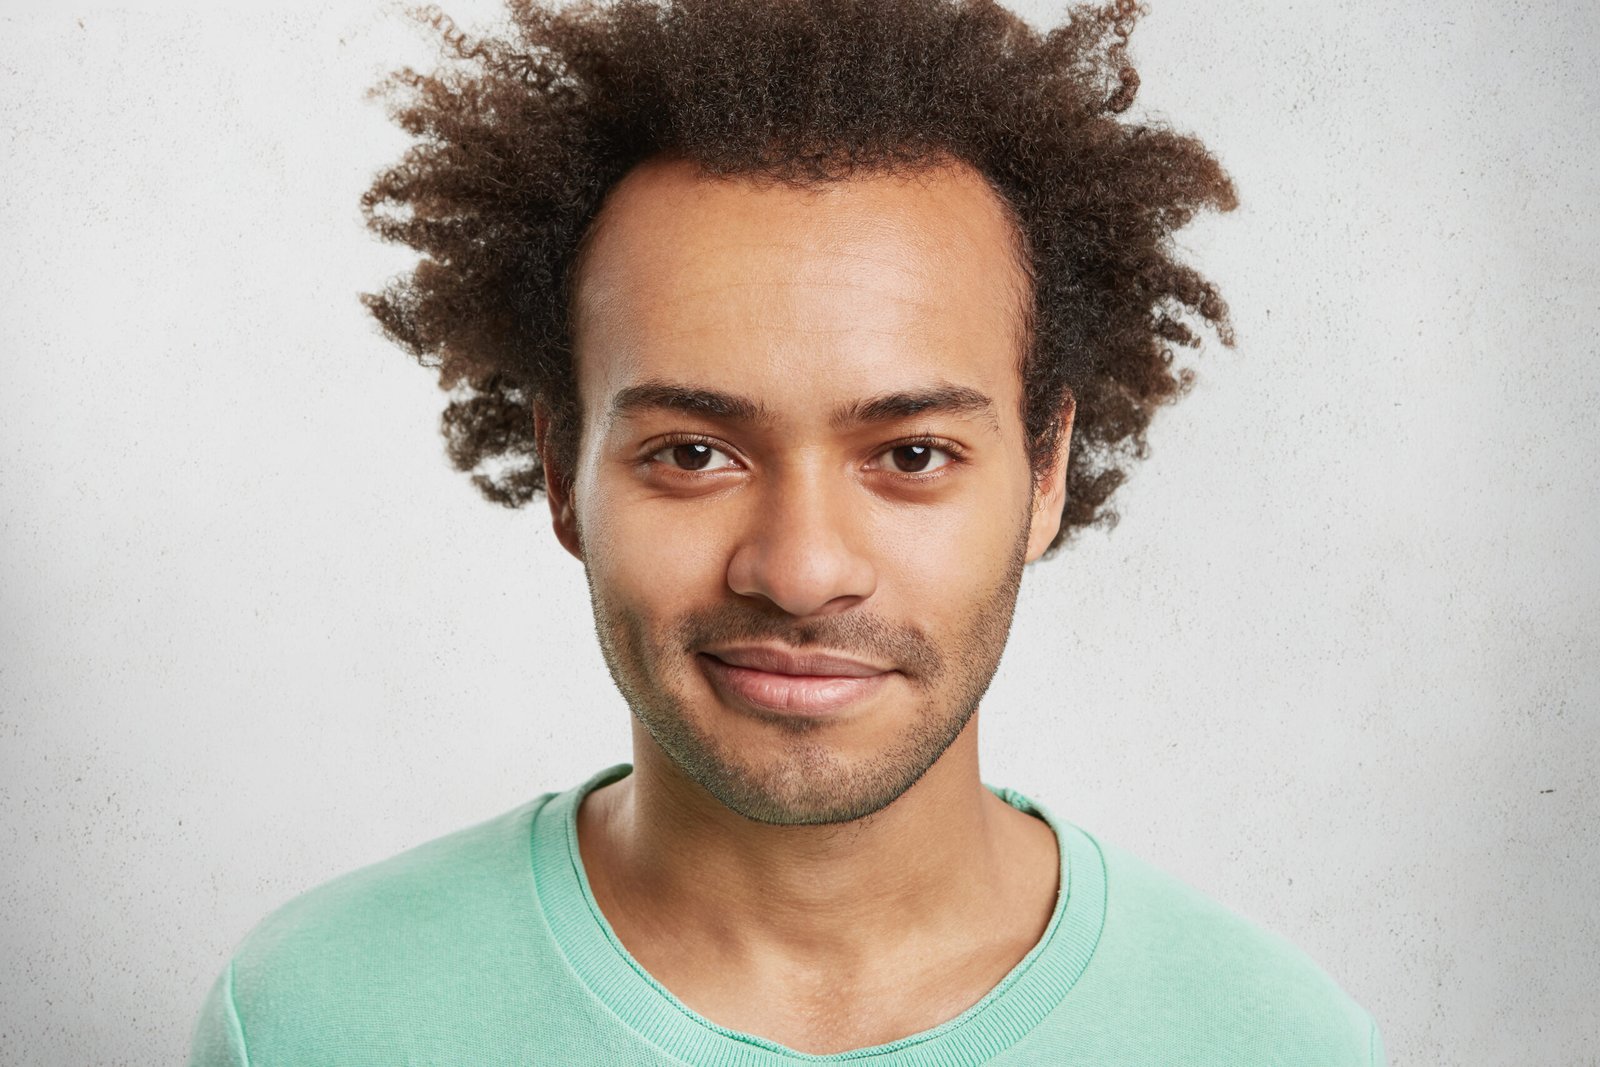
(936, 562)
(654, 558)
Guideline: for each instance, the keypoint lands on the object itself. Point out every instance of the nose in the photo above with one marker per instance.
(803, 549)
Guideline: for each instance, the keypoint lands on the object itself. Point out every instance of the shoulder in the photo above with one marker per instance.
(359, 959)
(1220, 984)
(1151, 910)
(389, 905)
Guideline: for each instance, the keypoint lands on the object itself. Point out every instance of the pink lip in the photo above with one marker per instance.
(774, 680)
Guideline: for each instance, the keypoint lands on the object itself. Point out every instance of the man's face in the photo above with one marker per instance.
(802, 494)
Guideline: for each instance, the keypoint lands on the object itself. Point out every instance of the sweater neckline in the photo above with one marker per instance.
(1007, 1012)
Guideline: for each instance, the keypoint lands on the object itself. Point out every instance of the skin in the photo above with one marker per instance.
(839, 881)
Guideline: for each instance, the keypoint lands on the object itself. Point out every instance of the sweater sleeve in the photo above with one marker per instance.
(218, 1035)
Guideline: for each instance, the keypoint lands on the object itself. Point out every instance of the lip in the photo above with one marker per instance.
(776, 681)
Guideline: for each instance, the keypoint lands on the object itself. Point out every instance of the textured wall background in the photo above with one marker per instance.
(1338, 667)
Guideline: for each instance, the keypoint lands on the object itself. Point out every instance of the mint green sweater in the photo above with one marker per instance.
(486, 947)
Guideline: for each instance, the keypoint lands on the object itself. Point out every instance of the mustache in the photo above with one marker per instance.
(907, 647)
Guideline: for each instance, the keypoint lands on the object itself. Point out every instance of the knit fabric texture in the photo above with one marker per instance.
(486, 947)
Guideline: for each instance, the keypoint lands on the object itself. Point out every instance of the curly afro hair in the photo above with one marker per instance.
(518, 137)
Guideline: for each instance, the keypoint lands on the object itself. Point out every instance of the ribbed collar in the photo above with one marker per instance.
(1025, 996)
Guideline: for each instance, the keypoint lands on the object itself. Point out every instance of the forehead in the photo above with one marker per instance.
(819, 292)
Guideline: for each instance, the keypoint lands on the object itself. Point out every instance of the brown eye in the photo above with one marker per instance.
(917, 458)
(693, 456)
(912, 458)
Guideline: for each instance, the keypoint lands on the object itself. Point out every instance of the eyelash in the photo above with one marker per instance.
(949, 448)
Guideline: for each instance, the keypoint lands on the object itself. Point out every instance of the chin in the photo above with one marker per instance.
(805, 778)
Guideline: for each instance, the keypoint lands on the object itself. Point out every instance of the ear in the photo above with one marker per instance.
(557, 485)
(1050, 488)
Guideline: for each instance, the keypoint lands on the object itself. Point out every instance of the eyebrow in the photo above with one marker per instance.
(943, 398)
(711, 403)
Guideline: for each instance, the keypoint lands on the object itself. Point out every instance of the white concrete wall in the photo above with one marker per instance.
(1337, 667)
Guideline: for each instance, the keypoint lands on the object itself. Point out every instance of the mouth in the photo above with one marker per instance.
(773, 681)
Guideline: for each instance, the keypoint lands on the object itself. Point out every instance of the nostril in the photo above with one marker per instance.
(801, 580)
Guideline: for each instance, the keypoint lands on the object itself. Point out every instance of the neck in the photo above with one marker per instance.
(660, 849)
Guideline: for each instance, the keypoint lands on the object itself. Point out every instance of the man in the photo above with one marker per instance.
(815, 324)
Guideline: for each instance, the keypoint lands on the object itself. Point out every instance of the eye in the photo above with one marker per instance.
(917, 457)
(693, 456)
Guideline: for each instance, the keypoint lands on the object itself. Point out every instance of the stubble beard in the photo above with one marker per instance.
(805, 783)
